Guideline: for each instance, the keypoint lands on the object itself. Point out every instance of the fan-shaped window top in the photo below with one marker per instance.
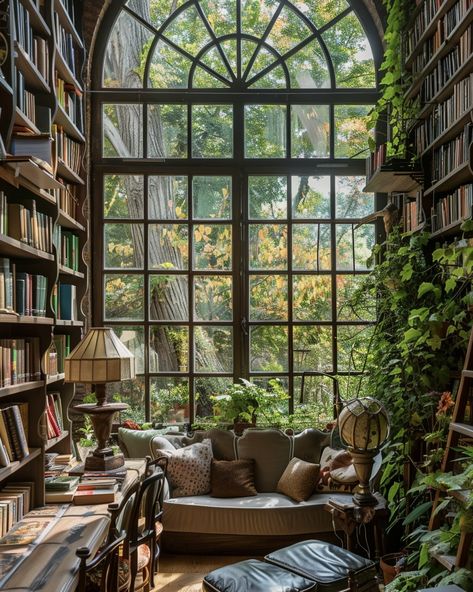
(238, 44)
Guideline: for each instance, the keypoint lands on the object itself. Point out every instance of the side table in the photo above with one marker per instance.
(348, 517)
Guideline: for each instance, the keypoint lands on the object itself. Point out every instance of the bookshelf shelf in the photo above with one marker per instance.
(63, 119)
(16, 465)
(14, 319)
(51, 379)
(64, 171)
(449, 228)
(23, 387)
(69, 222)
(67, 323)
(455, 178)
(23, 120)
(70, 272)
(451, 132)
(36, 19)
(32, 75)
(65, 72)
(5, 86)
(14, 248)
(31, 171)
(53, 441)
(392, 181)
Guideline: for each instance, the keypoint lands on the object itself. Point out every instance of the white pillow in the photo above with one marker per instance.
(189, 469)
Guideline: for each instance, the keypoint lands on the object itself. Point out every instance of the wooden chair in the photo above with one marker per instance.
(159, 464)
(106, 560)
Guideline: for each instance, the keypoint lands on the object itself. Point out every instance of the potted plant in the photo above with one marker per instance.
(87, 442)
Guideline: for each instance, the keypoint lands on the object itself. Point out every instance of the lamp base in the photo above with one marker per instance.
(103, 460)
(364, 498)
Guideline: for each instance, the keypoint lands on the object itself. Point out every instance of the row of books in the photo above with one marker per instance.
(56, 353)
(54, 415)
(452, 208)
(377, 158)
(445, 114)
(67, 247)
(65, 44)
(451, 155)
(24, 293)
(422, 21)
(16, 500)
(410, 213)
(13, 433)
(69, 6)
(70, 98)
(67, 199)
(448, 66)
(25, 99)
(23, 28)
(67, 150)
(20, 361)
(25, 224)
(64, 301)
(445, 26)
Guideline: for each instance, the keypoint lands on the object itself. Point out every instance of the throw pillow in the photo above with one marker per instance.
(337, 472)
(299, 479)
(189, 469)
(233, 478)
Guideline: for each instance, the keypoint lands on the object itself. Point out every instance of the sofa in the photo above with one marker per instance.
(262, 522)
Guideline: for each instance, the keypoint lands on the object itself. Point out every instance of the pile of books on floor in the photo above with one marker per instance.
(88, 490)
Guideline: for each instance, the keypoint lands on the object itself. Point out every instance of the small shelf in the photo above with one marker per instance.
(66, 22)
(14, 389)
(63, 119)
(15, 248)
(18, 464)
(69, 222)
(4, 85)
(36, 19)
(450, 133)
(28, 168)
(24, 319)
(52, 378)
(392, 181)
(32, 75)
(455, 178)
(68, 271)
(65, 72)
(65, 172)
(448, 229)
(53, 441)
(67, 323)
(25, 121)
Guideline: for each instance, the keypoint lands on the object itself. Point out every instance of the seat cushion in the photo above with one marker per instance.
(255, 576)
(264, 514)
(326, 564)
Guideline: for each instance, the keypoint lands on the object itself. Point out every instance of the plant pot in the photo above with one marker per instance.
(391, 566)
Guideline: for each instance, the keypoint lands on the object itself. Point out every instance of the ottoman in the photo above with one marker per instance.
(255, 576)
(332, 568)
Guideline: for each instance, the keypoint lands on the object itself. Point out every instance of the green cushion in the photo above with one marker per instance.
(136, 443)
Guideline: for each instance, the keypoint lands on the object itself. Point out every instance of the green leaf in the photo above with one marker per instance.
(424, 288)
(412, 334)
(450, 284)
(417, 512)
(467, 225)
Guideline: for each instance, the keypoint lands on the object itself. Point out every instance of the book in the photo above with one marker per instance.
(25, 533)
(84, 497)
(96, 483)
(61, 483)
(59, 497)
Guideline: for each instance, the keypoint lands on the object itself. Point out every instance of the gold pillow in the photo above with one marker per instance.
(299, 479)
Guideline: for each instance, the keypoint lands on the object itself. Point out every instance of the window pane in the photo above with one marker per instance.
(312, 297)
(169, 400)
(167, 131)
(255, 15)
(364, 309)
(352, 345)
(212, 197)
(212, 247)
(168, 246)
(321, 13)
(127, 49)
(264, 58)
(265, 131)
(222, 15)
(204, 388)
(268, 246)
(213, 349)
(354, 246)
(168, 349)
(268, 297)
(122, 131)
(213, 60)
(133, 338)
(167, 197)
(212, 131)
(351, 131)
(310, 131)
(268, 349)
(123, 245)
(124, 297)
(311, 249)
(169, 68)
(131, 392)
(275, 78)
(213, 298)
(308, 67)
(288, 31)
(351, 53)
(313, 402)
(168, 298)
(352, 201)
(310, 197)
(267, 197)
(123, 196)
(203, 79)
(312, 348)
(188, 31)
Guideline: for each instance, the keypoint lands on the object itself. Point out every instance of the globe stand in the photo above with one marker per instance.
(363, 463)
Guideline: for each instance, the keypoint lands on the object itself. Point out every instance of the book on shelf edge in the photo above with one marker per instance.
(85, 497)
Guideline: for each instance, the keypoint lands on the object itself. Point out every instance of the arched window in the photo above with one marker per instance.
(228, 180)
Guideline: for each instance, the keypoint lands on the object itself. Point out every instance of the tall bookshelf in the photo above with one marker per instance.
(42, 225)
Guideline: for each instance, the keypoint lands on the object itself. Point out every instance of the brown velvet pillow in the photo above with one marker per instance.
(232, 478)
(299, 479)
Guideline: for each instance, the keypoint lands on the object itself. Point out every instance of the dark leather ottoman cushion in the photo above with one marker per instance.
(326, 564)
(255, 576)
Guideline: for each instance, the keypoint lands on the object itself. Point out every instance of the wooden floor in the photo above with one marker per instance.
(184, 573)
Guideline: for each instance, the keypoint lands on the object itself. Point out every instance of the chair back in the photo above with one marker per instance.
(107, 561)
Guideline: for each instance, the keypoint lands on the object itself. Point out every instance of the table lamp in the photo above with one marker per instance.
(364, 427)
(100, 358)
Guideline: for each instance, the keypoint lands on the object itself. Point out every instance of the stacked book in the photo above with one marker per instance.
(60, 489)
(19, 361)
(15, 501)
(95, 490)
(13, 433)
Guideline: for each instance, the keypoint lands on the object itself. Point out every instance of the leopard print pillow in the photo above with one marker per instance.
(189, 469)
